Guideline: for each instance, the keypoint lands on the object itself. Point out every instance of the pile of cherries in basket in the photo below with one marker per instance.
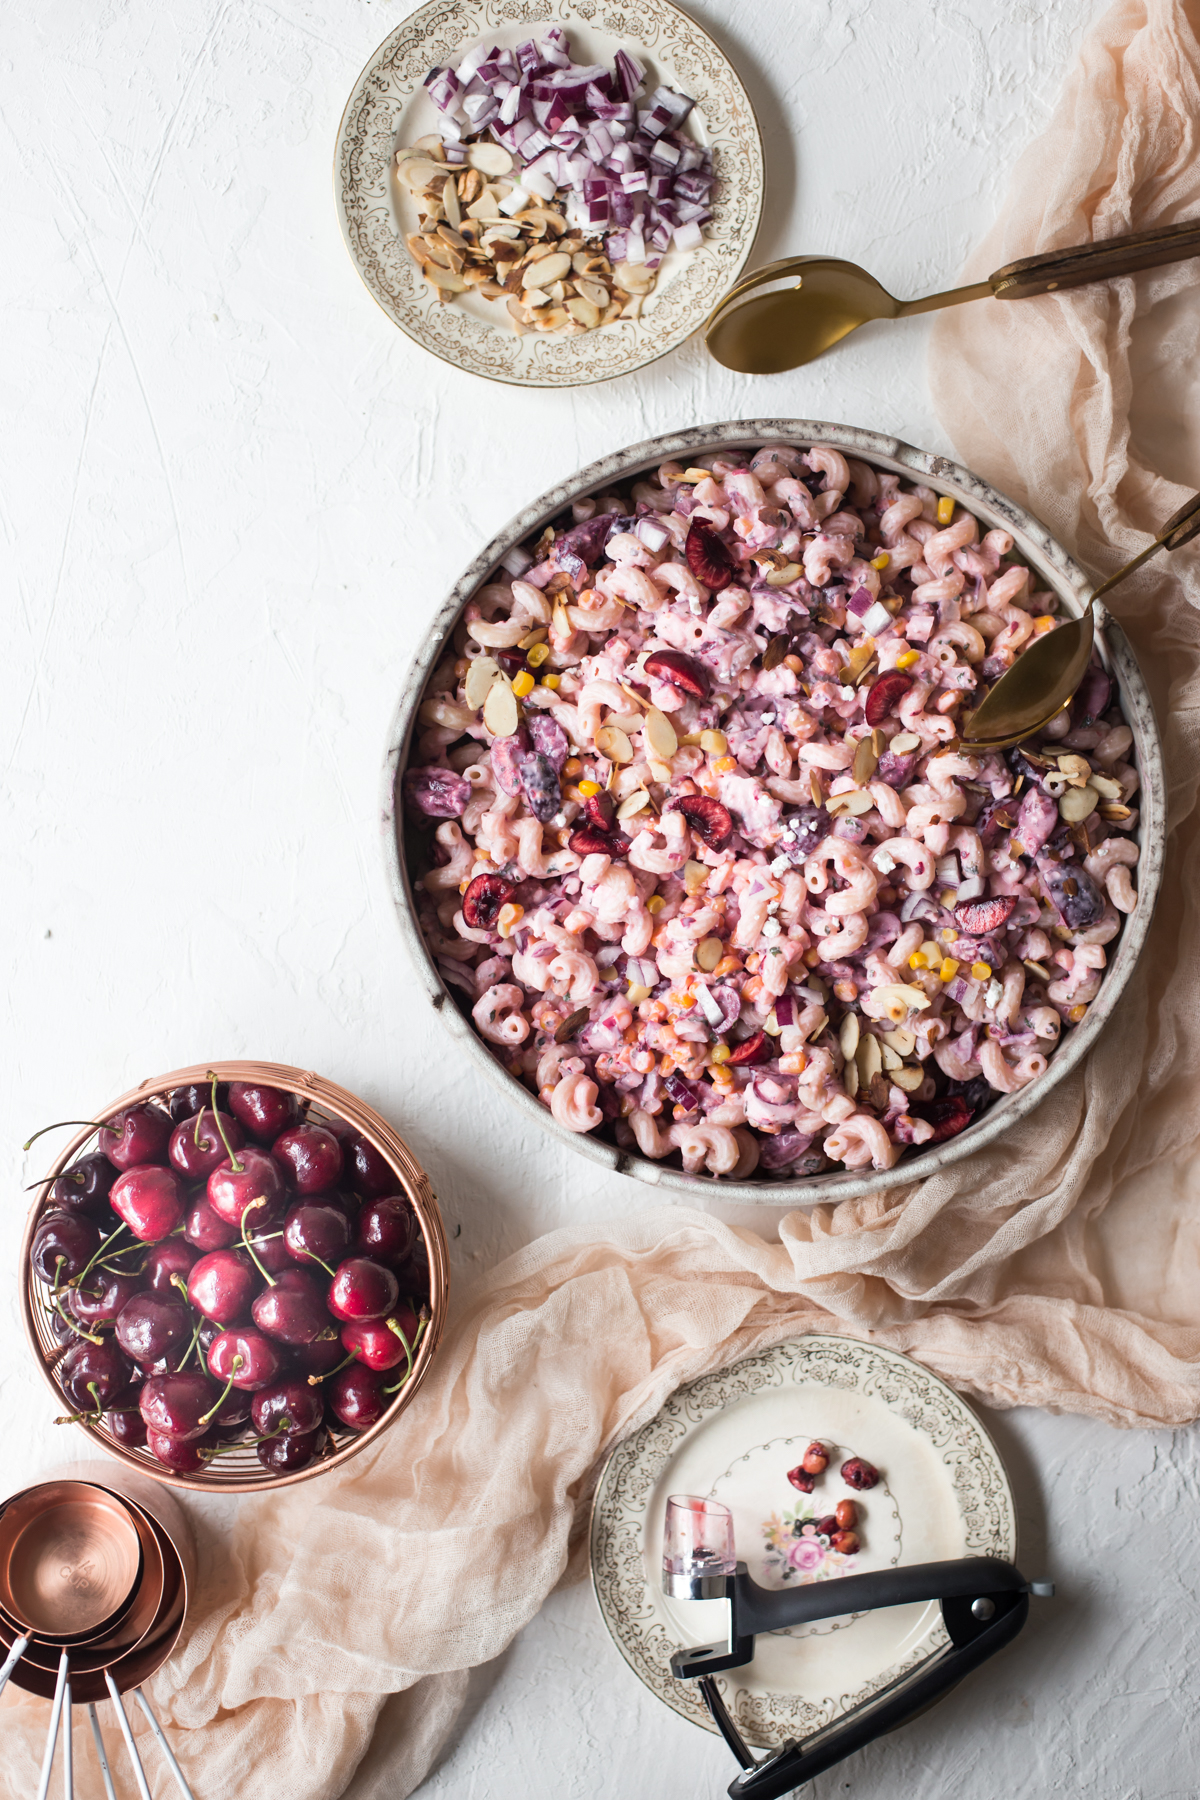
(230, 1273)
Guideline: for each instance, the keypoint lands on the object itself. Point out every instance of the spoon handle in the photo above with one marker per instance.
(1055, 269)
(1179, 529)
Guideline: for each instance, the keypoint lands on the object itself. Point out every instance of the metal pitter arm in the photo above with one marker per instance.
(984, 1604)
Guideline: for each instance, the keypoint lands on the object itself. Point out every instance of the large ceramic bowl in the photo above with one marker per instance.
(1054, 569)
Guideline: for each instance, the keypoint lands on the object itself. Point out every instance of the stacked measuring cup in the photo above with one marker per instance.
(95, 1567)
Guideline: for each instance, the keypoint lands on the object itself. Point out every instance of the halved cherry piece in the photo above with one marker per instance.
(981, 916)
(752, 1050)
(590, 840)
(708, 818)
(600, 810)
(483, 899)
(948, 1118)
(707, 557)
(884, 695)
(683, 672)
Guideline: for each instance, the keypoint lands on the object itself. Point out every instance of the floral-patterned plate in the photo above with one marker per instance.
(733, 1436)
(389, 108)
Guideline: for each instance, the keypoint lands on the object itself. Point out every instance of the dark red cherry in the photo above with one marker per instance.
(207, 1230)
(387, 1230)
(368, 1171)
(320, 1357)
(150, 1200)
(290, 1408)
(125, 1421)
(92, 1375)
(293, 1311)
(170, 1258)
(222, 1285)
(884, 695)
(413, 1275)
(356, 1396)
(707, 556)
(980, 916)
(314, 1230)
(261, 1359)
(233, 1415)
(181, 1455)
(197, 1146)
(257, 1185)
(707, 817)
(483, 899)
(683, 672)
(84, 1187)
(310, 1157)
(283, 1455)
(362, 1289)
(63, 1246)
(750, 1051)
(137, 1135)
(177, 1404)
(379, 1343)
(102, 1297)
(269, 1248)
(151, 1325)
(186, 1102)
(264, 1111)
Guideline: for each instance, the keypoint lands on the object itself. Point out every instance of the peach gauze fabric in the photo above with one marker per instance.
(331, 1637)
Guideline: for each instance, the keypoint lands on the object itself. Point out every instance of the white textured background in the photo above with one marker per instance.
(231, 496)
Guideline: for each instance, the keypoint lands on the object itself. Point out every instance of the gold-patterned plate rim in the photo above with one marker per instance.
(629, 1478)
(367, 138)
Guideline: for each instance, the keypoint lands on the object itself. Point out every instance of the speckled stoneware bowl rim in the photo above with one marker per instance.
(1054, 567)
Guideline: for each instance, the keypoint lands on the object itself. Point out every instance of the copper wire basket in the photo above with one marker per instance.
(240, 1472)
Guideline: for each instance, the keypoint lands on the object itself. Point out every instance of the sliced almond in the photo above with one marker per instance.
(489, 159)
(450, 205)
(613, 743)
(1077, 803)
(591, 289)
(783, 576)
(709, 952)
(480, 676)
(560, 622)
(853, 803)
(815, 789)
(659, 733)
(445, 280)
(850, 1077)
(535, 216)
(486, 207)
(859, 660)
(865, 762)
(848, 1035)
(659, 770)
(633, 804)
(418, 174)
(908, 1078)
(1105, 786)
(901, 1041)
(905, 742)
(890, 1059)
(584, 312)
(898, 999)
(500, 709)
(869, 1058)
(635, 278)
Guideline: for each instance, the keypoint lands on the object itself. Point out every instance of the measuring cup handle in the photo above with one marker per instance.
(1052, 270)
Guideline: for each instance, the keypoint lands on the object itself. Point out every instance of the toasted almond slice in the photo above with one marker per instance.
(898, 999)
(865, 762)
(815, 788)
(659, 734)
(516, 313)
(848, 1035)
(469, 185)
(611, 312)
(560, 623)
(552, 318)
(476, 277)
(419, 174)
(1077, 803)
(1105, 786)
(635, 278)
(535, 296)
(632, 309)
(584, 313)
(450, 234)
(905, 742)
(553, 267)
(591, 289)
(625, 721)
(480, 676)
(633, 804)
(500, 713)
(850, 1077)
(781, 577)
(489, 159)
(444, 280)
(533, 216)
(614, 744)
(868, 1057)
(901, 1041)
(908, 1078)
(451, 207)
(890, 1059)
(494, 234)
(486, 207)
(852, 803)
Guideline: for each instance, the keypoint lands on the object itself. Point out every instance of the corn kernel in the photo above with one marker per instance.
(637, 993)
(917, 960)
(948, 897)
(794, 664)
(881, 561)
(551, 681)
(463, 886)
(572, 766)
(981, 971)
(695, 876)
(720, 1053)
(771, 1024)
(1077, 1014)
(812, 957)
(686, 1001)
(721, 1078)
(588, 788)
(945, 509)
(728, 965)
(795, 1064)
(950, 934)
(907, 658)
(725, 765)
(522, 684)
(537, 654)
(508, 918)
(714, 743)
(655, 903)
(949, 968)
(1043, 622)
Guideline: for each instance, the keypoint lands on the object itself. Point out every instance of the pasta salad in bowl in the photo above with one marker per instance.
(684, 827)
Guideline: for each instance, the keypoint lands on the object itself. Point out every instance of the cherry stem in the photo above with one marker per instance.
(315, 1258)
(234, 1164)
(93, 1418)
(316, 1380)
(409, 1352)
(235, 1366)
(177, 1281)
(61, 1124)
(183, 1362)
(246, 1443)
(91, 1336)
(105, 1247)
(260, 1200)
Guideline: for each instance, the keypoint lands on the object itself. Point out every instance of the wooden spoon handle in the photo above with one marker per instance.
(1051, 270)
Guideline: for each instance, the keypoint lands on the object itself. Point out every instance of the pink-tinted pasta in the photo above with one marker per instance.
(697, 844)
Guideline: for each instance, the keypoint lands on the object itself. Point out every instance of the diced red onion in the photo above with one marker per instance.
(785, 1013)
(516, 560)
(917, 906)
(652, 534)
(860, 602)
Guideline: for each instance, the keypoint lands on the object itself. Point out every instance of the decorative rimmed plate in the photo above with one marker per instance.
(732, 1436)
(389, 108)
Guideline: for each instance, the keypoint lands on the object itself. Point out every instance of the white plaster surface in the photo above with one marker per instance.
(231, 495)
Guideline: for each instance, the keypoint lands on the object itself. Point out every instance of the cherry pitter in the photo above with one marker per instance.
(984, 1604)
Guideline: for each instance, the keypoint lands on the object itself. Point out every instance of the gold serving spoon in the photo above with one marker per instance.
(1044, 677)
(764, 333)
